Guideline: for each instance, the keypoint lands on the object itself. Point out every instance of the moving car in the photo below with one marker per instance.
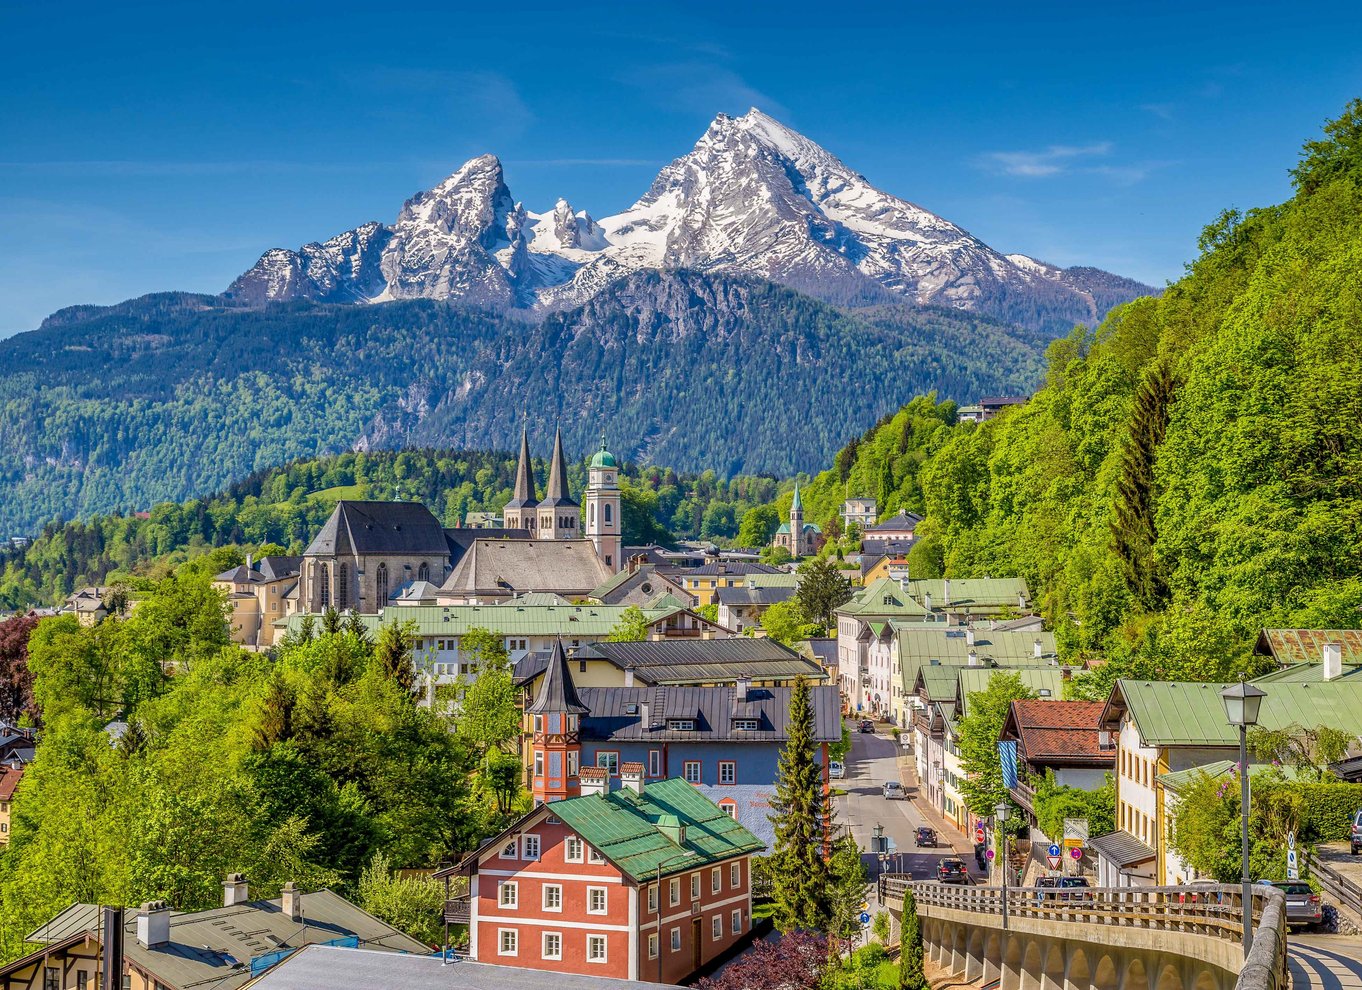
(836, 770)
(925, 837)
(893, 791)
(952, 870)
(1357, 833)
(1303, 905)
(866, 726)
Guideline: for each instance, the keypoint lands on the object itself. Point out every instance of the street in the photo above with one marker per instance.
(871, 762)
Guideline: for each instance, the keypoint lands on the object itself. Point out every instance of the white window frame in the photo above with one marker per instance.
(735, 875)
(591, 942)
(604, 893)
(528, 843)
(594, 855)
(654, 763)
(695, 886)
(573, 849)
(514, 950)
(676, 940)
(544, 952)
(611, 764)
(508, 895)
(513, 846)
(552, 888)
(731, 768)
(716, 928)
(652, 898)
(697, 766)
(737, 921)
(716, 880)
(652, 945)
(674, 893)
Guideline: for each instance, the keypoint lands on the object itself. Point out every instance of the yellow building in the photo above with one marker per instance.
(9, 782)
(258, 594)
(701, 582)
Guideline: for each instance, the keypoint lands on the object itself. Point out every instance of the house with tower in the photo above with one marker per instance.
(797, 536)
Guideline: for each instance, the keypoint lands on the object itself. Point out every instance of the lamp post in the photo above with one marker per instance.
(1000, 812)
(1242, 701)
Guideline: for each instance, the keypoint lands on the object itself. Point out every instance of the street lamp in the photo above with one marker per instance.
(881, 847)
(1242, 702)
(1000, 813)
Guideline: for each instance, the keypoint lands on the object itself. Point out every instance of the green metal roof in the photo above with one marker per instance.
(624, 827)
(883, 597)
(921, 645)
(1305, 673)
(1176, 780)
(603, 458)
(940, 681)
(782, 580)
(574, 621)
(1175, 713)
(1038, 679)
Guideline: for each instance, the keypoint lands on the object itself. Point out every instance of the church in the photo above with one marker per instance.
(797, 536)
(367, 553)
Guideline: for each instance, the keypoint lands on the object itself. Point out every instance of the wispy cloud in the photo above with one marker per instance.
(1164, 111)
(701, 86)
(1054, 160)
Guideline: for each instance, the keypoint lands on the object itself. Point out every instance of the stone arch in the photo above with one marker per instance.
(1170, 979)
(324, 586)
(993, 957)
(423, 572)
(381, 583)
(972, 941)
(1052, 974)
(1137, 976)
(1206, 980)
(1079, 973)
(1105, 977)
(1031, 966)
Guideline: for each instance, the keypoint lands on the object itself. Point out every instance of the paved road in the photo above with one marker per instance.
(1325, 962)
(872, 761)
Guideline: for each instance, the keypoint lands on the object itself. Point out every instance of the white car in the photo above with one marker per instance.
(893, 791)
(836, 771)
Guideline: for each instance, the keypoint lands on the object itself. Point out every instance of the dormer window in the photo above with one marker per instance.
(681, 724)
(748, 724)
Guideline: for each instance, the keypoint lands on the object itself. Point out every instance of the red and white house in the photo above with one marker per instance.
(648, 882)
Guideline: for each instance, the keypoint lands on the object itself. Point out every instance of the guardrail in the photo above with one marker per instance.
(1344, 892)
(1215, 911)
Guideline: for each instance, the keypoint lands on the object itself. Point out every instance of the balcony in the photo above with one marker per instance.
(457, 911)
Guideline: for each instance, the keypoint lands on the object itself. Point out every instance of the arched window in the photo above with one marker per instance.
(342, 586)
(423, 572)
(325, 582)
(593, 513)
(381, 580)
(607, 513)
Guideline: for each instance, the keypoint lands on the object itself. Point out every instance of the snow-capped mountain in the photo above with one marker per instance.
(752, 198)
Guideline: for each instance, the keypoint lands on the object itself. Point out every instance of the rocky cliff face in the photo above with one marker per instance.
(752, 198)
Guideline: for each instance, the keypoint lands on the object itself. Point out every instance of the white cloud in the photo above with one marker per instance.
(1057, 159)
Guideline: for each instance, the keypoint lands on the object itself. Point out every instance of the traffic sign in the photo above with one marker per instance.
(865, 905)
(1076, 853)
(1291, 840)
(865, 918)
(1054, 861)
(979, 833)
(1053, 850)
(1292, 869)
(989, 854)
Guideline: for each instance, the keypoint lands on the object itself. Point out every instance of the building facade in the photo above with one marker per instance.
(797, 536)
(604, 527)
(860, 512)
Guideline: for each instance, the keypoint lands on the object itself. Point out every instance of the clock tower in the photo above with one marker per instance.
(604, 528)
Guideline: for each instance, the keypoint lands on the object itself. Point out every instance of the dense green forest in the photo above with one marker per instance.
(1191, 470)
(115, 409)
(284, 507)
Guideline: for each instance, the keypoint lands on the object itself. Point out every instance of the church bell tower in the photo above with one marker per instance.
(604, 528)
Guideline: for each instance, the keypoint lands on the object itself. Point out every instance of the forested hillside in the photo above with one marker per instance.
(176, 396)
(1192, 469)
(286, 506)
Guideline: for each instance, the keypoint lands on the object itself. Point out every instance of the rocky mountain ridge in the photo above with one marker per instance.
(753, 198)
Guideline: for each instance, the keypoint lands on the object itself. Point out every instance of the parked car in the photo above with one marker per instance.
(893, 791)
(1303, 905)
(1074, 889)
(925, 837)
(1357, 833)
(1045, 887)
(952, 870)
(866, 726)
(836, 770)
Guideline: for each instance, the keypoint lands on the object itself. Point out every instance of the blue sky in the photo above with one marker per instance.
(148, 146)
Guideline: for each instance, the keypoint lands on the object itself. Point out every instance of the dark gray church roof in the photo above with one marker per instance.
(523, 496)
(556, 493)
(406, 528)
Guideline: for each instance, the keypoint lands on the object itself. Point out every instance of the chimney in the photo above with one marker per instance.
(670, 826)
(1039, 648)
(1333, 661)
(153, 925)
(927, 600)
(234, 890)
(946, 592)
(1021, 601)
(594, 780)
(631, 776)
(903, 584)
(291, 902)
(744, 686)
(969, 635)
(111, 977)
(645, 717)
(628, 676)
(250, 562)
(973, 659)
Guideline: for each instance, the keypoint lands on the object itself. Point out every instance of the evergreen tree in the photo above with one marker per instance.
(798, 872)
(846, 893)
(393, 653)
(822, 588)
(331, 622)
(1133, 534)
(911, 975)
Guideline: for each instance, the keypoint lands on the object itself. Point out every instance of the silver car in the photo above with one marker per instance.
(893, 791)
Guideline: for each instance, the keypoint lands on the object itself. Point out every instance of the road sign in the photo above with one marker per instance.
(865, 905)
(978, 833)
(1076, 853)
(1292, 868)
(1075, 832)
(1054, 861)
(1053, 850)
(1291, 840)
(989, 854)
(865, 918)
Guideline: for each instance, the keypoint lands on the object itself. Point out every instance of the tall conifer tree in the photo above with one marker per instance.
(1132, 525)
(798, 873)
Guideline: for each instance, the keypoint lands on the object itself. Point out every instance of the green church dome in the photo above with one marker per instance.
(603, 458)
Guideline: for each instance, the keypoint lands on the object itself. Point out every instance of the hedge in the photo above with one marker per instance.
(1326, 810)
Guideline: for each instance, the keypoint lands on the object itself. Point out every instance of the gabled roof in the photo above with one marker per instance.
(510, 567)
(1307, 645)
(624, 827)
(580, 622)
(898, 522)
(753, 596)
(780, 579)
(1058, 733)
(691, 661)
(1176, 780)
(883, 597)
(557, 692)
(617, 714)
(398, 528)
(725, 568)
(9, 781)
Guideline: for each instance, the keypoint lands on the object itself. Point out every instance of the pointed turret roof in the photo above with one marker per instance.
(557, 693)
(557, 492)
(523, 498)
(796, 505)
